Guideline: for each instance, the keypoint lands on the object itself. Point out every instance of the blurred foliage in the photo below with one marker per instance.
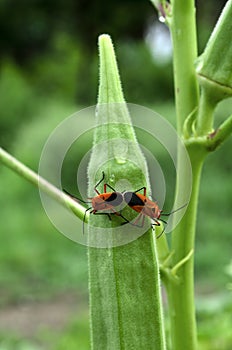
(214, 322)
(55, 73)
(144, 80)
(17, 101)
(37, 259)
(29, 27)
(49, 48)
(75, 336)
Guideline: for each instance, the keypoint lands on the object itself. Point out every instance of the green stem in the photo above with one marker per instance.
(216, 138)
(41, 183)
(181, 294)
(206, 114)
(183, 32)
(213, 140)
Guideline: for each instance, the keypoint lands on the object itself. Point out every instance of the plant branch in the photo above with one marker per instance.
(214, 139)
(181, 263)
(29, 175)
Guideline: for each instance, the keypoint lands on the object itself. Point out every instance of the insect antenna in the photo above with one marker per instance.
(79, 200)
(76, 198)
(174, 211)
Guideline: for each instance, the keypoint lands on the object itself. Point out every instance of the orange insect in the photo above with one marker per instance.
(103, 202)
(145, 207)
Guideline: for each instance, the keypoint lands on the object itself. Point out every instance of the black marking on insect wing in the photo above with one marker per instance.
(132, 199)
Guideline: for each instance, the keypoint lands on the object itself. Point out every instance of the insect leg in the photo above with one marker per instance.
(83, 224)
(156, 223)
(107, 185)
(165, 222)
(120, 214)
(108, 214)
(95, 213)
(144, 190)
(135, 223)
(95, 187)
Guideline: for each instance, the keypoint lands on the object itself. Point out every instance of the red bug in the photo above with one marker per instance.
(145, 207)
(106, 201)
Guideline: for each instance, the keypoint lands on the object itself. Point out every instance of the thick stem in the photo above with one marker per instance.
(181, 294)
(183, 31)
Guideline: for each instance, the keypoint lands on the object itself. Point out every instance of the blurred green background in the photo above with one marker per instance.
(49, 67)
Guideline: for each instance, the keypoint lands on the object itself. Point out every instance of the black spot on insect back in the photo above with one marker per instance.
(132, 199)
(115, 199)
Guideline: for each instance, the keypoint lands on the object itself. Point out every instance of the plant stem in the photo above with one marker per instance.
(183, 32)
(220, 135)
(213, 140)
(41, 183)
(181, 289)
(205, 114)
(181, 295)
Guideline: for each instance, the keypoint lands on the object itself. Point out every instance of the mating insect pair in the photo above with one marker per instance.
(109, 201)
